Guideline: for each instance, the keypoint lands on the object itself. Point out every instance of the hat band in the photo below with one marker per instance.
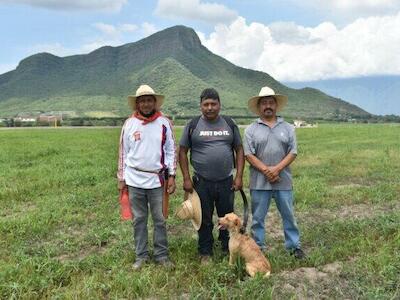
(145, 94)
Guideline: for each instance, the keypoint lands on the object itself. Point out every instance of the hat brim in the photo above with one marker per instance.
(195, 217)
(159, 100)
(281, 101)
(196, 221)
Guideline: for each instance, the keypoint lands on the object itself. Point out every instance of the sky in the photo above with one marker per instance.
(290, 40)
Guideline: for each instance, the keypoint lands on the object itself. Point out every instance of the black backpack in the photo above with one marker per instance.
(193, 124)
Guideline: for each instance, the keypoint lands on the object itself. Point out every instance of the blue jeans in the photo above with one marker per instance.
(141, 200)
(260, 201)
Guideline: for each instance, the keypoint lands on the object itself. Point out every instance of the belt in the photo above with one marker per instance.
(158, 172)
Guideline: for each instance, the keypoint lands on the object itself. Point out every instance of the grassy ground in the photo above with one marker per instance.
(61, 237)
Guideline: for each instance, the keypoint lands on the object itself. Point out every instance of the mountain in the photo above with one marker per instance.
(376, 94)
(172, 61)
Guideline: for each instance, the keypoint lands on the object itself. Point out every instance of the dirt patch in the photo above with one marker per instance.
(18, 212)
(82, 254)
(355, 211)
(273, 226)
(358, 180)
(184, 227)
(79, 235)
(347, 186)
(310, 283)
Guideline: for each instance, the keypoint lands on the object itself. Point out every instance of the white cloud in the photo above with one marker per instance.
(363, 5)
(109, 35)
(351, 9)
(128, 27)
(53, 48)
(195, 10)
(114, 32)
(100, 5)
(288, 52)
(106, 28)
(7, 67)
(148, 29)
(289, 32)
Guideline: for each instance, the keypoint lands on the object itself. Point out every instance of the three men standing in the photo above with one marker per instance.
(213, 141)
(270, 147)
(147, 150)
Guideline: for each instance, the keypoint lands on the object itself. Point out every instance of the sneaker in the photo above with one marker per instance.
(205, 260)
(139, 263)
(166, 263)
(298, 253)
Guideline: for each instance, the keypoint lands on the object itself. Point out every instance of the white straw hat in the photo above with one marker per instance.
(265, 91)
(145, 90)
(191, 209)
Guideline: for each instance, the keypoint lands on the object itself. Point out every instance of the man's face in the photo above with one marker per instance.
(267, 107)
(146, 104)
(210, 108)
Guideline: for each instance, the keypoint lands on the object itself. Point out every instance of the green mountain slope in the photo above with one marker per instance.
(172, 61)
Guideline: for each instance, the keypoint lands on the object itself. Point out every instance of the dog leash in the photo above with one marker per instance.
(245, 212)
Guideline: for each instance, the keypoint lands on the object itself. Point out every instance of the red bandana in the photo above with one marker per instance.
(147, 120)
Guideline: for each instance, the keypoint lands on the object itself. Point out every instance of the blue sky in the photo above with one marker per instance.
(291, 40)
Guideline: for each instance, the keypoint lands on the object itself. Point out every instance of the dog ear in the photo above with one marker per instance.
(237, 222)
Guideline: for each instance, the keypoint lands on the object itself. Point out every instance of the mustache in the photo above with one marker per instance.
(268, 109)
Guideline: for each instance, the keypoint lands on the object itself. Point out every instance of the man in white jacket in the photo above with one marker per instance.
(147, 151)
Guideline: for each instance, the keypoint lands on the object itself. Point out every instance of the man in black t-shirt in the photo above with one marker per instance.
(212, 140)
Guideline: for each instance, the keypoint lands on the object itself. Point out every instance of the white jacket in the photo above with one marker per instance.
(149, 147)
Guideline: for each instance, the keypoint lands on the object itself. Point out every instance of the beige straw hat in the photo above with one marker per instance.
(191, 209)
(265, 91)
(144, 90)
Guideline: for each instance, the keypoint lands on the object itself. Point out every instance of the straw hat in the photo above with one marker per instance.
(145, 90)
(265, 91)
(191, 209)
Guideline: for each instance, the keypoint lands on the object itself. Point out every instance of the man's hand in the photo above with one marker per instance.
(188, 185)
(274, 171)
(237, 183)
(171, 185)
(121, 184)
(272, 174)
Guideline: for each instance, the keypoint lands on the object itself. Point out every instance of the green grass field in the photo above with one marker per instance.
(61, 236)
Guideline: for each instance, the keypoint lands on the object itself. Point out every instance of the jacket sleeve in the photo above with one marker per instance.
(122, 153)
(170, 149)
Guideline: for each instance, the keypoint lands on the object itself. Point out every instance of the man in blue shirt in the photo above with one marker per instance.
(270, 147)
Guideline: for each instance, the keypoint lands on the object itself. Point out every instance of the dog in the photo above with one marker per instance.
(244, 246)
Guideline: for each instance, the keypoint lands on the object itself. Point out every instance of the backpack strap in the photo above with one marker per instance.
(192, 126)
(232, 125)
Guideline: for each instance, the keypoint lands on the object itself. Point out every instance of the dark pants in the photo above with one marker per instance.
(220, 194)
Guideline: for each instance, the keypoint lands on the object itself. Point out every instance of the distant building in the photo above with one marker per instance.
(303, 124)
(25, 119)
(49, 118)
(299, 123)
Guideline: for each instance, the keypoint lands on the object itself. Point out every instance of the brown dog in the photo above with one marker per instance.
(244, 246)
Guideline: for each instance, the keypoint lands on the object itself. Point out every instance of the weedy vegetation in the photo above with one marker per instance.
(61, 236)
